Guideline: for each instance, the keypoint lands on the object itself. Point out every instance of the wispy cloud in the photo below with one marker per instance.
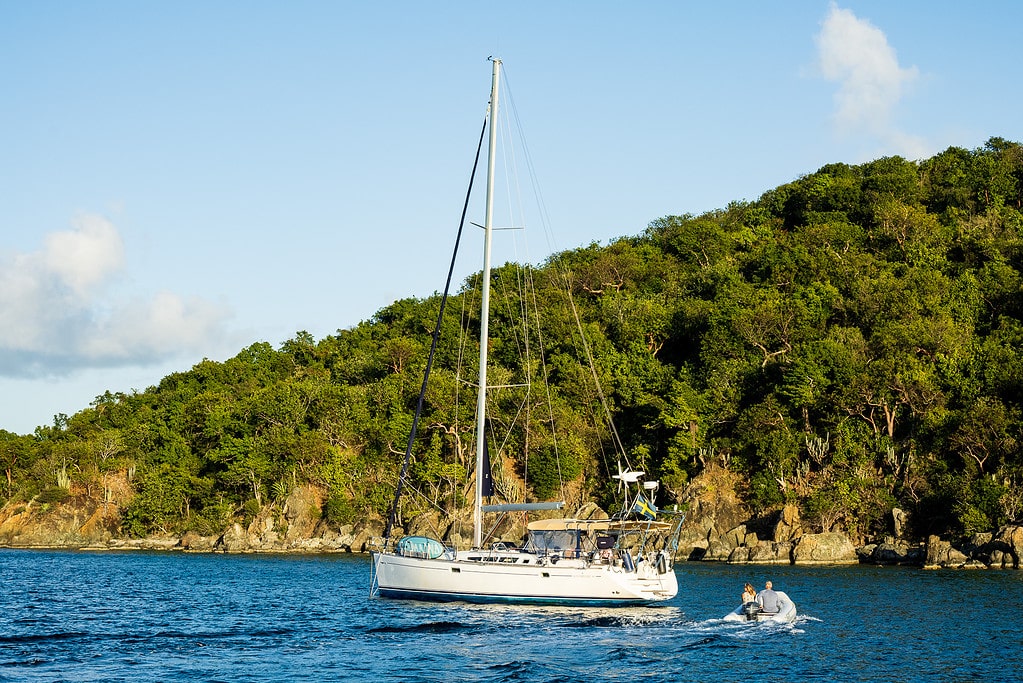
(58, 312)
(855, 54)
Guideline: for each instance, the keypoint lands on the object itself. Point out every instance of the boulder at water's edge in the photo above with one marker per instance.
(827, 548)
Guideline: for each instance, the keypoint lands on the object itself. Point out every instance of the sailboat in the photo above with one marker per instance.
(624, 560)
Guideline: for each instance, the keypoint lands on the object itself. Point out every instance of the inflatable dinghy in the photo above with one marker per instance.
(752, 612)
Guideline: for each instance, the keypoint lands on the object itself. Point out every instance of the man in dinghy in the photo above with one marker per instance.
(768, 600)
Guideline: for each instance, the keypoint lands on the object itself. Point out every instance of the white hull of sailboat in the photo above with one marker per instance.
(567, 582)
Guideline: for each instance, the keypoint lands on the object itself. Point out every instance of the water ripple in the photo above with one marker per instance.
(178, 618)
(431, 627)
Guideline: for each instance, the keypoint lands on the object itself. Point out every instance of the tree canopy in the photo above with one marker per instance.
(849, 342)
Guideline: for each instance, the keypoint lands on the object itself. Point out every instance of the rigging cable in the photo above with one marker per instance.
(436, 336)
(525, 274)
(563, 271)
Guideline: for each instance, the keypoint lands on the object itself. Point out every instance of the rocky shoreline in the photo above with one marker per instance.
(1000, 550)
(990, 551)
(720, 528)
(717, 529)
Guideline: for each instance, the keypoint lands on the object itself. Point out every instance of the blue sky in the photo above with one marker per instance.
(179, 180)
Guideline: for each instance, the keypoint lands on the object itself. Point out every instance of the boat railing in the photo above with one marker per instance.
(379, 544)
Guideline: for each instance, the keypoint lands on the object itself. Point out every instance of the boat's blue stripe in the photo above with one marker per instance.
(441, 596)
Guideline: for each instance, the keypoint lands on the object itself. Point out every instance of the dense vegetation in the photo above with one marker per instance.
(850, 342)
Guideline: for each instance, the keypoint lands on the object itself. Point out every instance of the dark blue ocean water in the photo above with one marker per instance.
(68, 616)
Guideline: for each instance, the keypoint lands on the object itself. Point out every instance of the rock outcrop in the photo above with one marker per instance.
(1000, 550)
(68, 524)
(892, 552)
(719, 528)
(762, 552)
(898, 521)
(714, 510)
(1007, 547)
(827, 548)
(787, 527)
(941, 554)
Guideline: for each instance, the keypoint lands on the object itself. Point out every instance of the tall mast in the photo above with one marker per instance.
(488, 231)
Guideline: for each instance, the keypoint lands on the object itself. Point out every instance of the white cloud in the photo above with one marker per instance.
(59, 312)
(856, 54)
(84, 257)
(162, 326)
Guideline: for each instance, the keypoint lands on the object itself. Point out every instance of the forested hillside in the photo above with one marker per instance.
(850, 342)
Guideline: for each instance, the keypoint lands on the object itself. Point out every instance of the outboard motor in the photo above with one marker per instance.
(752, 610)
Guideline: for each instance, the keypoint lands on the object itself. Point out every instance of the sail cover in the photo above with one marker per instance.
(488, 479)
(420, 546)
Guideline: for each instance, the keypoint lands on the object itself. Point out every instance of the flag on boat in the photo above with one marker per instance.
(644, 507)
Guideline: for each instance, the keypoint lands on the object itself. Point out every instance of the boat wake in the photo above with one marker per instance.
(620, 618)
(753, 630)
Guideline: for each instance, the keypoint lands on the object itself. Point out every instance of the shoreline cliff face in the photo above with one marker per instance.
(718, 528)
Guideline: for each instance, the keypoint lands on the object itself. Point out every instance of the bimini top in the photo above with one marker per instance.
(597, 525)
